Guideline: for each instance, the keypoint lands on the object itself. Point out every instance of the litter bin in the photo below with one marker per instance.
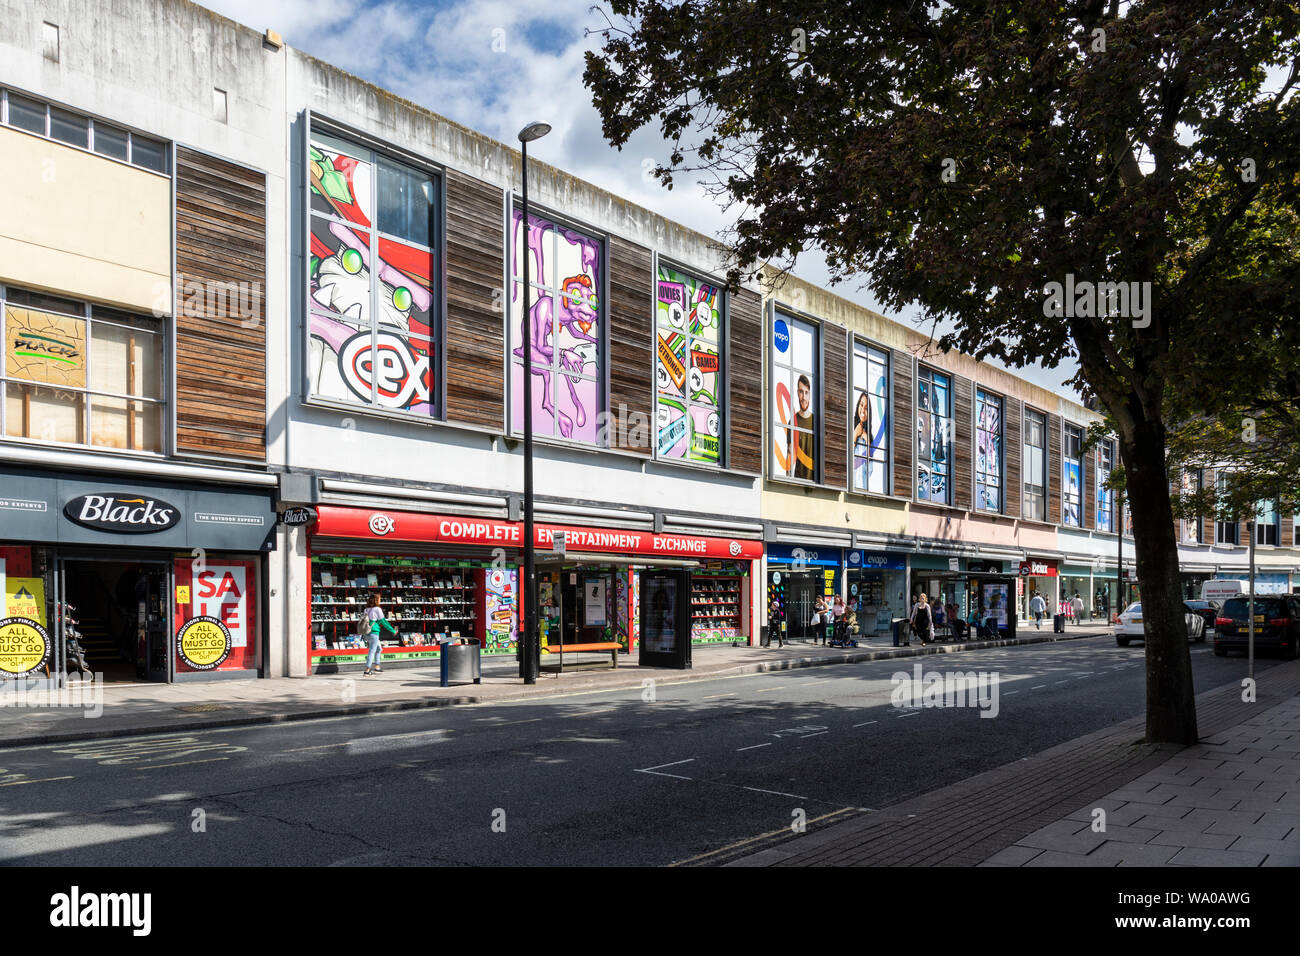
(900, 631)
(460, 663)
(1058, 623)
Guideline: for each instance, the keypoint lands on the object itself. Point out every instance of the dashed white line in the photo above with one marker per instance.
(1038, 686)
(818, 734)
(913, 713)
(776, 792)
(754, 747)
(868, 723)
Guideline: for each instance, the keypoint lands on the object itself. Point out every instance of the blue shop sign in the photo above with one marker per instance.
(800, 556)
(876, 561)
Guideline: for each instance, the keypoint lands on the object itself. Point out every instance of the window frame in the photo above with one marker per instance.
(1225, 532)
(513, 201)
(723, 379)
(1069, 431)
(164, 146)
(359, 140)
(793, 317)
(1262, 528)
(983, 397)
(887, 463)
(1032, 415)
(1105, 464)
(926, 373)
(87, 393)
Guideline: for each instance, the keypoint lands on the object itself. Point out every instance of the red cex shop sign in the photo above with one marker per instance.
(365, 523)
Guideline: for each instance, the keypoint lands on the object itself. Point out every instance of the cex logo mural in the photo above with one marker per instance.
(380, 524)
(400, 374)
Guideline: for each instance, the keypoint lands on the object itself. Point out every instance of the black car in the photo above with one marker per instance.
(1277, 625)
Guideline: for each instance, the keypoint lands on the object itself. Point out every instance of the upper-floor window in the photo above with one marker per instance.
(371, 274)
(933, 436)
(80, 374)
(689, 318)
(565, 311)
(795, 352)
(75, 129)
(1190, 480)
(1266, 523)
(1072, 477)
(1225, 532)
(1105, 496)
(870, 436)
(1034, 466)
(988, 451)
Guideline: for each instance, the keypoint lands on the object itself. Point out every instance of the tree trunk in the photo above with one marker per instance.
(1171, 701)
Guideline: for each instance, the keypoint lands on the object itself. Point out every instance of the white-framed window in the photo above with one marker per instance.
(1225, 532)
(35, 116)
(869, 425)
(1034, 466)
(81, 374)
(1105, 496)
(1267, 528)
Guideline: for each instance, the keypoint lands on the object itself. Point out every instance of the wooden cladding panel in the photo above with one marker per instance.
(475, 324)
(1054, 469)
(963, 450)
(631, 346)
(904, 432)
(1286, 536)
(1090, 489)
(221, 307)
(745, 382)
(1011, 445)
(1207, 526)
(835, 387)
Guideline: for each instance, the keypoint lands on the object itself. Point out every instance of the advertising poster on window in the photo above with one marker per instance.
(565, 327)
(661, 621)
(870, 419)
(45, 347)
(371, 295)
(1073, 493)
(995, 603)
(224, 591)
(794, 398)
(593, 602)
(688, 322)
(499, 606)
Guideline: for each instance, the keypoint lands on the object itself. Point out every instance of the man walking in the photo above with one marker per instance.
(1037, 607)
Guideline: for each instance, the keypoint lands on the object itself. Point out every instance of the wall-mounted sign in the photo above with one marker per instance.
(1037, 569)
(24, 645)
(297, 516)
(122, 513)
(203, 643)
(876, 560)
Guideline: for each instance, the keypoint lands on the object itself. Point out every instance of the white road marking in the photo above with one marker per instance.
(913, 713)
(716, 696)
(776, 792)
(182, 763)
(662, 765)
(754, 747)
(1038, 686)
(818, 734)
(19, 783)
(869, 722)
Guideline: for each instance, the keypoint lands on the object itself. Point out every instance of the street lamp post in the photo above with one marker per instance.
(530, 661)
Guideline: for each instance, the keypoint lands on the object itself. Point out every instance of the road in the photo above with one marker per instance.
(664, 774)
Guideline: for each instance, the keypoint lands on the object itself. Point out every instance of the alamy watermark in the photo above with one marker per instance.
(978, 689)
(87, 695)
(1086, 299)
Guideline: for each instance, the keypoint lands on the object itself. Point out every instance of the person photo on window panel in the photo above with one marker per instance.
(804, 421)
(371, 291)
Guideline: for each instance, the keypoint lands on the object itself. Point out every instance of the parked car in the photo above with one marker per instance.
(1277, 625)
(1131, 626)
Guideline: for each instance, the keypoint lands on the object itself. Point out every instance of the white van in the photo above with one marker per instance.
(1219, 590)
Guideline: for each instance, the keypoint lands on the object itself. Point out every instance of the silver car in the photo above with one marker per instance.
(1132, 627)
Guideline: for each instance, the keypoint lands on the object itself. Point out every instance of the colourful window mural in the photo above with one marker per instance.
(933, 437)
(566, 322)
(1105, 496)
(688, 367)
(370, 268)
(1072, 477)
(794, 398)
(988, 451)
(870, 419)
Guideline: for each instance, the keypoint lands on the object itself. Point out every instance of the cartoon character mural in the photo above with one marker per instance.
(687, 367)
(565, 319)
(371, 322)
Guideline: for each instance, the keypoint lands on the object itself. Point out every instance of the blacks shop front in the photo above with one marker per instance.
(445, 577)
(154, 582)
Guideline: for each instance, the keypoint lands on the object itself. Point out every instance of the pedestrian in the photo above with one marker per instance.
(1037, 607)
(838, 611)
(373, 618)
(922, 619)
(1077, 604)
(821, 611)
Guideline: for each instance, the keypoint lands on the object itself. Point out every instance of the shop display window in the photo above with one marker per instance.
(715, 609)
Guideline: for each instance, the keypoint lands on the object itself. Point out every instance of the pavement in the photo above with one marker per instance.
(1232, 799)
(118, 710)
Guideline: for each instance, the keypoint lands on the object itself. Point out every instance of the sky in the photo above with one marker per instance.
(495, 65)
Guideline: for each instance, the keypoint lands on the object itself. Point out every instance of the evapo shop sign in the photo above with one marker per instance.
(203, 643)
(24, 645)
(38, 507)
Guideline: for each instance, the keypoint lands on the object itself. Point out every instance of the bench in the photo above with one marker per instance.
(612, 646)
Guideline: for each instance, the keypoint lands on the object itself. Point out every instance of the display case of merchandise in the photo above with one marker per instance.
(426, 601)
(715, 608)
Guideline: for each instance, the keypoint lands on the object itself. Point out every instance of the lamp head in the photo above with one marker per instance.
(533, 131)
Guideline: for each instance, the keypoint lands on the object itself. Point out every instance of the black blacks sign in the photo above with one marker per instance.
(122, 513)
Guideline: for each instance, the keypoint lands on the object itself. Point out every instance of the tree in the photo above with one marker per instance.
(998, 164)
